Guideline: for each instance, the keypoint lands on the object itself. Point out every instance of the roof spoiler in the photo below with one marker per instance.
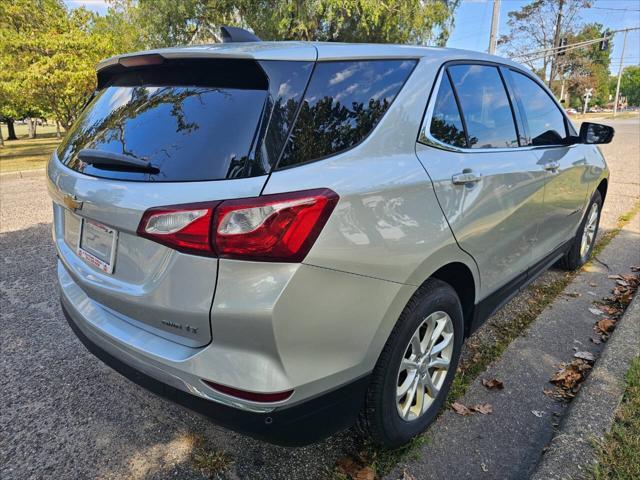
(235, 34)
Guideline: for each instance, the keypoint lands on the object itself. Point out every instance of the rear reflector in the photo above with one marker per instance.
(274, 228)
(251, 396)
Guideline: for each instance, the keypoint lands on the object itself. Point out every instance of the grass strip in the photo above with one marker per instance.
(618, 455)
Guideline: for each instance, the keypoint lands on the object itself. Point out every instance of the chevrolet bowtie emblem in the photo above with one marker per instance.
(72, 202)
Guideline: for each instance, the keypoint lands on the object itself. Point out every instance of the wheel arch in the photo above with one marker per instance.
(460, 277)
(602, 188)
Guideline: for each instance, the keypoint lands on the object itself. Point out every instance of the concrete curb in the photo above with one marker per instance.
(591, 414)
(22, 174)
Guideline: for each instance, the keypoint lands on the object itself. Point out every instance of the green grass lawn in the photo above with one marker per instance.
(26, 153)
(619, 453)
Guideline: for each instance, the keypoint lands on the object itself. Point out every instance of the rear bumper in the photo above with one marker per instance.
(296, 425)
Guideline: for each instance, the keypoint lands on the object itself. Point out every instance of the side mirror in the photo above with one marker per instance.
(595, 133)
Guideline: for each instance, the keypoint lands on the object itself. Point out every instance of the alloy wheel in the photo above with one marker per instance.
(424, 366)
(589, 233)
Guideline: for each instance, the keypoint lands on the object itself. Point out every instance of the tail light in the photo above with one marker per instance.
(281, 227)
(186, 228)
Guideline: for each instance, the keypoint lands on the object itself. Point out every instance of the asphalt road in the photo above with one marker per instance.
(65, 415)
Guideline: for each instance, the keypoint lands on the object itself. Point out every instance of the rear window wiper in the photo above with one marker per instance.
(100, 158)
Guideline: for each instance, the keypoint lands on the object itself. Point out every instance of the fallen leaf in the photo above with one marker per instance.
(493, 384)
(588, 356)
(347, 466)
(596, 311)
(593, 284)
(614, 277)
(635, 268)
(483, 466)
(593, 294)
(596, 340)
(573, 294)
(460, 409)
(537, 413)
(609, 310)
(605, 325)
(407, 476)
(365, 473)
(483, 408)
(568, 376)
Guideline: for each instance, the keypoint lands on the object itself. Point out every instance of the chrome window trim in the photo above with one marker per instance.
(425, 137)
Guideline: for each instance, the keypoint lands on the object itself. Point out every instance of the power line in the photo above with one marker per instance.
(546, 51)
(615, 9)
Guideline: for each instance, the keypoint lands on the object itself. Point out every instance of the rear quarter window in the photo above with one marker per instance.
(344, 101)
(485, 106)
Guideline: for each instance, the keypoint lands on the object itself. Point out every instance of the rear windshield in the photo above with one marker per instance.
(191, 120)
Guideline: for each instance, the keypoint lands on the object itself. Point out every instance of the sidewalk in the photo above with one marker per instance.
(592, 412)
(509, 443)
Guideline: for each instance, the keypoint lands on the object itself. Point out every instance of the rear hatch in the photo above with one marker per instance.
(164, 132)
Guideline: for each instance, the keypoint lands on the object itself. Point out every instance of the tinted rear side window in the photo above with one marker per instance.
(446, 124)
(343, 103)
(544, 119)
(485, 106)
(192, 120)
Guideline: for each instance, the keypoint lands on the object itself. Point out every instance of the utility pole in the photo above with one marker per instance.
(624, 46)
(495, 19)
(556, 42)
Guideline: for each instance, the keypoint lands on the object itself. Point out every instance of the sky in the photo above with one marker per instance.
(473, 22)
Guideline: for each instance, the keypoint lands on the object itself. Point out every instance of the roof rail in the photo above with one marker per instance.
(235, 34)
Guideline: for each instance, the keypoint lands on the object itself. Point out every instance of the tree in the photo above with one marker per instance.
(630, 84)
(587, 67)
(169, 22)
(49, 55)
(533, 27)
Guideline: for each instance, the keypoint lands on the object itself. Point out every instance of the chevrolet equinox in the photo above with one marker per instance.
(293, 237)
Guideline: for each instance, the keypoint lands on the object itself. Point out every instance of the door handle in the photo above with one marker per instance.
(466, 177)
(551, 166)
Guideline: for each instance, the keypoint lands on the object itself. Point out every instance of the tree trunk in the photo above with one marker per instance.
(58, 129)
(1, 137)
(32, 128)
(11, 130)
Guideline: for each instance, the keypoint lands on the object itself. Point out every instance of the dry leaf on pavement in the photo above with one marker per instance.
(483, 408)
(365, 473)
(605, 325)
(460, 409)
(407, 476)
(492, 384)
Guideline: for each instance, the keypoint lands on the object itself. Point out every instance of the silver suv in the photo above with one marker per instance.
(294, 237)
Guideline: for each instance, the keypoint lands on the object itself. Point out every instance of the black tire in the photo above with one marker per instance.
(573, 259)
(380, 419)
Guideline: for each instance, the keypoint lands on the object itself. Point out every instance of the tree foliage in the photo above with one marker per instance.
(630, 84)
(170, 22)
(49, 56)
(587, 67)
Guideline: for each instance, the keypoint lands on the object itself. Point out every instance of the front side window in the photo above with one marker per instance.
(446, 124)
(344, 101)
(545, 121)
(485, 106)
